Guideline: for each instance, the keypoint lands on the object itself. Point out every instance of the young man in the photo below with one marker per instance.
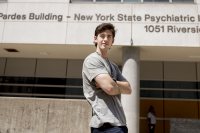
(103, 85)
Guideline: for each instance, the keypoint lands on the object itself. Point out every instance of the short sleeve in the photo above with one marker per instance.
(93, 67)
(119, 77)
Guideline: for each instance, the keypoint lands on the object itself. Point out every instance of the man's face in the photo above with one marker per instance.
(104, 40)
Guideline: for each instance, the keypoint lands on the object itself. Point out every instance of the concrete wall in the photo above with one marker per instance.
(184, 126)
(34, 115)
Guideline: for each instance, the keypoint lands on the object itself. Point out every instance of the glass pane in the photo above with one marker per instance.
(19, 80)
(151, 93)
(186, 1)
(156, 0)
(108, 0)
(181, 94)
(151, 84)
(74, 81)
(180, 85)
(132, 0)
(43, 87)
(16, 89)
(51, 81)
(80, 1)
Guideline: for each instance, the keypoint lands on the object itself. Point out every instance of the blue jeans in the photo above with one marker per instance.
(107, 128)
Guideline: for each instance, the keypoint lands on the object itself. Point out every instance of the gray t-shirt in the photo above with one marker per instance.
(106, 108)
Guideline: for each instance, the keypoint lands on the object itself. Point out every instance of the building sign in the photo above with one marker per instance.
(159, 24)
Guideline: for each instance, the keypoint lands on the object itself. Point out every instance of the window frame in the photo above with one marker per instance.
(124, 1)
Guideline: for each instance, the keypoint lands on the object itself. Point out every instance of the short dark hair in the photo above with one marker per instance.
(104, 26)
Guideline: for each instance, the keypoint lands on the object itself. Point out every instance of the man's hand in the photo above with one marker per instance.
(97, 85)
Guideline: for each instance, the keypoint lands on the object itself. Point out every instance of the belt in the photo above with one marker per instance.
(106, 126)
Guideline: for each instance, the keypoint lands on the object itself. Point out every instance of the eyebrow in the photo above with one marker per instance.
(105, 34)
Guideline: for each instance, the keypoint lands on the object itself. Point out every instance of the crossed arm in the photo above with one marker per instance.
(108, 85)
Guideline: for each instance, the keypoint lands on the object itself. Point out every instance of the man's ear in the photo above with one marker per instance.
(113, 41)
(95, 39)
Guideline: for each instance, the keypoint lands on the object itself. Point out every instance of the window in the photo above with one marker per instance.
(156, 0)
(80, 1)
(132, 1)
(108, 0)
(169, 89)
(42, 87)
(183, 1)
(129, 1)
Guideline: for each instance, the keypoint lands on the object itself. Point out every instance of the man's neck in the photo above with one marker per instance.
(103, 54)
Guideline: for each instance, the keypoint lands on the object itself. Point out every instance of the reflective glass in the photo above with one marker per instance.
(184, 1)
(151, 93)
(132, 0)
(181, 94)
(156, 0)
(108, 0)
(80, 1)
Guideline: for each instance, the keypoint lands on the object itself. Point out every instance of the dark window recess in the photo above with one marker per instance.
(18, 80)
(126, 1)
(1, 79)
(183, 1)
(169, 84)
(151, 93)
(41, 87)
(180, 94)
(51, 81)
(151, 84)
(80, 1)
(15, 89)
(76, 82)
(166, 89)
(49, 90)
(180, 85)
(108, 0)
(74, 91)
(198, 85)
(156, 0)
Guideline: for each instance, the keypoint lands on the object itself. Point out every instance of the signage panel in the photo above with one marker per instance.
(136, 24)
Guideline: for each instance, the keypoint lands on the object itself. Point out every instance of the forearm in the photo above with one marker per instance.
(111, 87)
(120, 87)
(124, 87)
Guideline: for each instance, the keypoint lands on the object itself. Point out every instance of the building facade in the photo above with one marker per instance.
(157, 45)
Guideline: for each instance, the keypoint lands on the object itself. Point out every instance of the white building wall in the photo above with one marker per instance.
(92, 15)
(165, 36)
(25, 29)
(79, 21)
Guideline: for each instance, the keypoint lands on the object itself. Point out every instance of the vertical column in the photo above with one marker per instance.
(131, 58)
